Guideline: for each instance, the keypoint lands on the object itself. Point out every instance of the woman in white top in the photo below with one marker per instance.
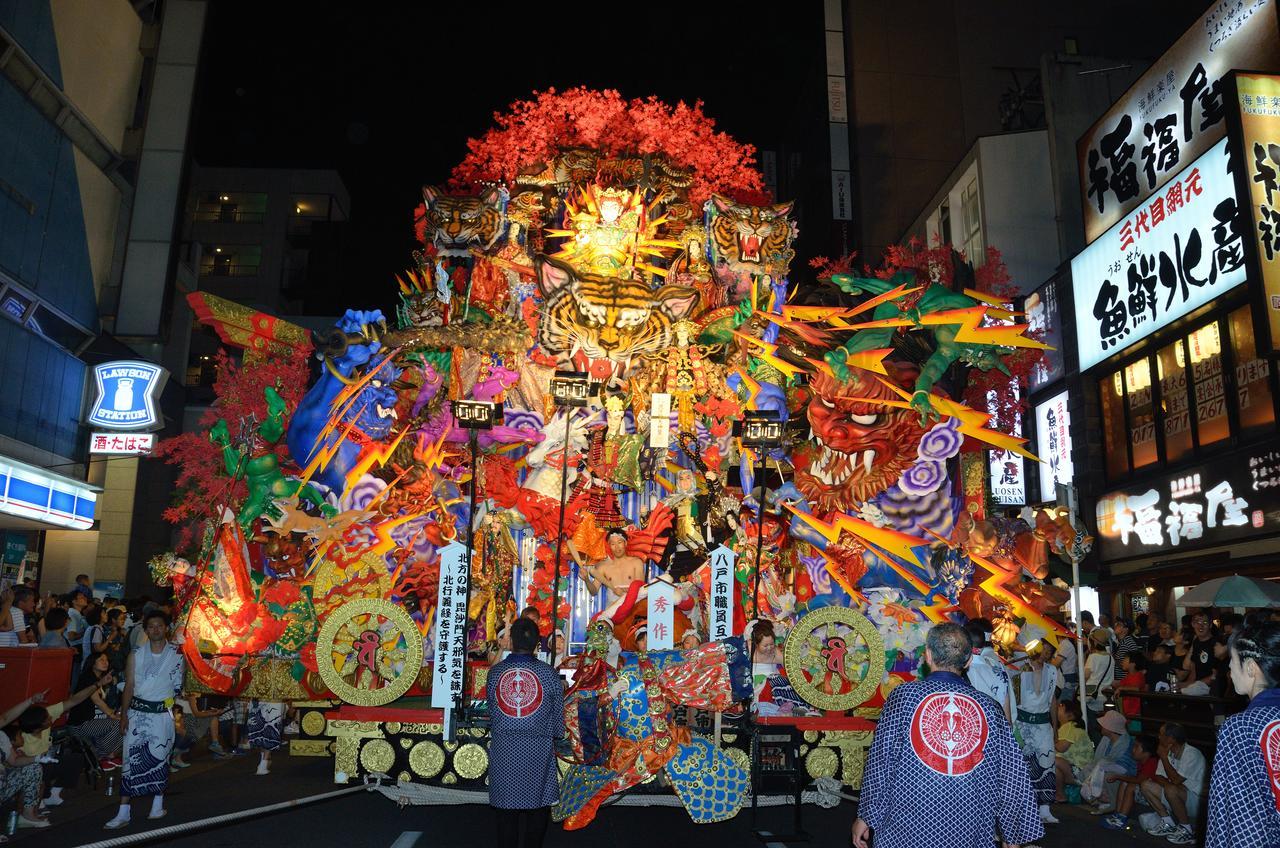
(1036, 724)
(1099, 675)
(8, 637)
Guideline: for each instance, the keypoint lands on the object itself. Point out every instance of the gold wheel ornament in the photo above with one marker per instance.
(378, 756)
(470, 761)
(313, 723)
(834, 658)
(369, 652)
(426, 759)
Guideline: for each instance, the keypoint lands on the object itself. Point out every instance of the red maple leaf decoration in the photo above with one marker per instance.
(202, 480)
(533, 131)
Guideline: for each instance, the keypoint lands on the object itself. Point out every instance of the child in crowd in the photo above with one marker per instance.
(1127, 794)
(1074, 748)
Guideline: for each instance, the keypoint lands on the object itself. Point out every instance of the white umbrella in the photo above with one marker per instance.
(1233, 591)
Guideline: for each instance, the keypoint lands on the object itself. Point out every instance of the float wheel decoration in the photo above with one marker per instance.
(369, 652)
(834, 658)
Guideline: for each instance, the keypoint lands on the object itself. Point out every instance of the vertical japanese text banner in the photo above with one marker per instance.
(662, 616)
(1258, 101)
(720, 611)
(451, 623)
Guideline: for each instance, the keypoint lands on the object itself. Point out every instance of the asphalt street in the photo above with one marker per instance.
(213, 788)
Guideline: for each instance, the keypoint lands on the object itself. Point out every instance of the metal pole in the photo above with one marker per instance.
(564, 494)
(1072, 502)
(755, 595)
(460, 699)
(755, 617)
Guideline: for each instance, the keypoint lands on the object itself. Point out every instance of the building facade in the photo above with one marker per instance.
(1176, 453)
(95, 102)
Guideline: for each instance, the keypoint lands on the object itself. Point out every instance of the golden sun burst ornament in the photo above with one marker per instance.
(369, 652)
(834, 658)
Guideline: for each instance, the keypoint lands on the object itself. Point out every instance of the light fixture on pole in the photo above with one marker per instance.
(761, 431)
(570, 390)
(472, 416)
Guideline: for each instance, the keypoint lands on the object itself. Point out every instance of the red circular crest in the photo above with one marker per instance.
(1270, 741)
(949, 733)
(519, 693)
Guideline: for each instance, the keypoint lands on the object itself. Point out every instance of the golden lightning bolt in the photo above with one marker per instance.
(885, 542)
(971, 330)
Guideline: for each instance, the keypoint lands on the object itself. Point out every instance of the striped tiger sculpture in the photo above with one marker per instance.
(751, 239)
(457, 224)
(588, 318)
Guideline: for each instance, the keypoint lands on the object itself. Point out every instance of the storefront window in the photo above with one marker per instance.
(1205, 347)
(1113, 437)
(1142, 426)
(1174, 403)
(1253, 383)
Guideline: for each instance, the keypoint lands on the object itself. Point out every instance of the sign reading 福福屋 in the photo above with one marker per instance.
(1053, 445)
(122, 444)
(127, 394)
(1177, 252)
(1258, 97)
(720, 613)
(451, 624)
(1174, 112)
(1235, 497)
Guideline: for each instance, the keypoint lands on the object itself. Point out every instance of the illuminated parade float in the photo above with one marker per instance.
(607, 394)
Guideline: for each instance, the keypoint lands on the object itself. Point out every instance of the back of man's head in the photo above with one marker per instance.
(950, 647)
(979, 631)
(524, 636)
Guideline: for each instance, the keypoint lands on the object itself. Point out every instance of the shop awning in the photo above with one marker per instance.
(32, 494)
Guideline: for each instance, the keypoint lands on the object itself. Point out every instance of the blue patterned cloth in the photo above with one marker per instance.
(526, 715)
(944, 768)
(266, 722)
(1244, 792)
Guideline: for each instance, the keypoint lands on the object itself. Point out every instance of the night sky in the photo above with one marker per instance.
(390, 98)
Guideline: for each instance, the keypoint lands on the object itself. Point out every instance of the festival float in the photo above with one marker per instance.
(607, 393)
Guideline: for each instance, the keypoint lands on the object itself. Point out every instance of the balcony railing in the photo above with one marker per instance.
(228, 216)
(229, 271)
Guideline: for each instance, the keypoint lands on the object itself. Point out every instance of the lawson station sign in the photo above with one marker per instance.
(127, 393)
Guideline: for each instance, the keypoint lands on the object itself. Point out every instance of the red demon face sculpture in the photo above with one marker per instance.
(859, 449)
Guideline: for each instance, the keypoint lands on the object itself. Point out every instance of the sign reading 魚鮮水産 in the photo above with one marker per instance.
(1173, 254)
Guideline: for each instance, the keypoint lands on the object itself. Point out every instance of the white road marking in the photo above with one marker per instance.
(407, 839)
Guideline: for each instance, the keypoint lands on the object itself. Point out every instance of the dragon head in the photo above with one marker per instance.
(859, 449)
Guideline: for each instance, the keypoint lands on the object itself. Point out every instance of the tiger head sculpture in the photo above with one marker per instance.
(455, 224)
(585, 316)
(751, 239)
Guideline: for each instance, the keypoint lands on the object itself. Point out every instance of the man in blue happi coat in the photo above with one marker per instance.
(526, 712)
(944, 767)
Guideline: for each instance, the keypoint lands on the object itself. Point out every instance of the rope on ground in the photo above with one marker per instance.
(226, 818)
(405, 793)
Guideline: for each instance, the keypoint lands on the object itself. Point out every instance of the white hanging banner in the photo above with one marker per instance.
(659, 420)
(451, 623)
(662, 615)
(720, 612)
